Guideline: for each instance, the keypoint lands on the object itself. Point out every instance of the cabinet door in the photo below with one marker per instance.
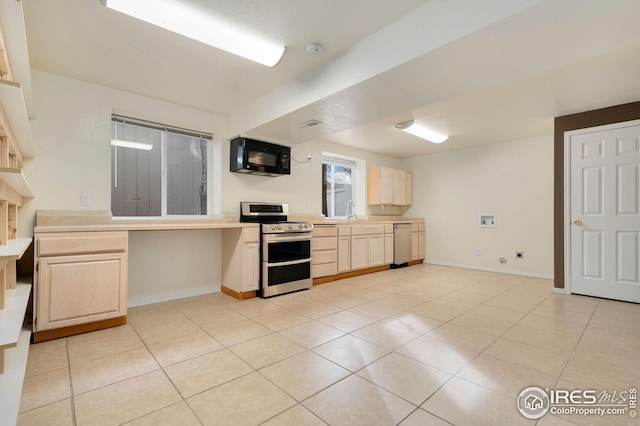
(386, 186)
(415, 246)
(359, 251)
(344, 254)
(250, 267)
(421, 243)
(376, 250)
(388, 249)
(408, 189)
(397, 183)
(81, 289)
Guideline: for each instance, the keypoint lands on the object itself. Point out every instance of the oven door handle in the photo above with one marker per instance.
(289, 263)
(279, 238)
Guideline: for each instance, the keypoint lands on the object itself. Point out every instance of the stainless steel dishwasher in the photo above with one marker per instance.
(401, 244)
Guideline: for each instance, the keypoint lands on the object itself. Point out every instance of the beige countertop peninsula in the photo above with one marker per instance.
(101, 220)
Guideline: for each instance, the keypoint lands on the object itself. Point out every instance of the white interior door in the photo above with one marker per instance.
(605, 211)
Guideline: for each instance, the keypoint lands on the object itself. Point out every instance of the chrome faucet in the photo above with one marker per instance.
(352, 216)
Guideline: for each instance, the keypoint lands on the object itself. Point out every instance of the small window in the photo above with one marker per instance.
(337, 187)
(158, 170)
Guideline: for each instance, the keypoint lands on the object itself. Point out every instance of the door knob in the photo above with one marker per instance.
(577, 222)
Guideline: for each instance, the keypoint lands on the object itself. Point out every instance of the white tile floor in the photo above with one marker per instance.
(415, 346)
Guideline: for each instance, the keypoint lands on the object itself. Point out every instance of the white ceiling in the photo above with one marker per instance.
(484, 72)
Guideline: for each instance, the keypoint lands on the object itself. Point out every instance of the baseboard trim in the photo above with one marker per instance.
(485, 269)
(57, 333)
(239, 296)
(560, 290)
(173, 297)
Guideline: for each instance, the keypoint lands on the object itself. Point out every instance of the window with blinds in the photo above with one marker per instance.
(158, 170)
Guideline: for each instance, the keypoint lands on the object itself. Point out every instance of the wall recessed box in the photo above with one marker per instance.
(487, 221)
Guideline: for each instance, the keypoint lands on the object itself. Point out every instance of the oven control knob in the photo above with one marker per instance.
(300, 226)
(290, 227)
(278, 226)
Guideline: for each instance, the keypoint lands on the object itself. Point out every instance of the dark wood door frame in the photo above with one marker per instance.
(566, 123)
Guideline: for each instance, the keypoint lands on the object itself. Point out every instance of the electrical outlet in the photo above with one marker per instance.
(85, 199)
(519, 255)
(477, 251)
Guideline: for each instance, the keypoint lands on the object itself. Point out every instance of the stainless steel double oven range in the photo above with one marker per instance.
(285, 248)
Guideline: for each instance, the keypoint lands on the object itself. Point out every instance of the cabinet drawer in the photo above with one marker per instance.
(251, 235)
(325, 270)
(326, 256)
(367, 229)
(324, 231)
(344, 230)
(388, 229)
(325, 243)
(81, 243)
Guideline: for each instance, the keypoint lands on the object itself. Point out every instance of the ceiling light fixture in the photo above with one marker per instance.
(411, 127)
(128, 144)
(180, 18)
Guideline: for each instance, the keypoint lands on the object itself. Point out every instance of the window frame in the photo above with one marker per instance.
(358, 181)
(213, 172)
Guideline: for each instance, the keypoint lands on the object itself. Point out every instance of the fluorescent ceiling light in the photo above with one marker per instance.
(422, 132)
(129, 144)
(182, 19)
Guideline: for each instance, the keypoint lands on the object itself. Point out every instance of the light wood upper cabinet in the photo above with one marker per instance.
(387, 186)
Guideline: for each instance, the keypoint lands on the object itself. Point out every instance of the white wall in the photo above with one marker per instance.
(72, 132)
(303, 188)
(513, 180)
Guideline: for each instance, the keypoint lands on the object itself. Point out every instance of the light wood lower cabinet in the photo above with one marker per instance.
(77, 290)
(80, 278)
(324, 256)
(251, 267)
(418, 241)
(241, 262)
(359, 251)
(367, 246)
(376, 250)
(344, 248)
(388, 248)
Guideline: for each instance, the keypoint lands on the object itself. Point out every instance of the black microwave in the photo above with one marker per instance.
(257, 157)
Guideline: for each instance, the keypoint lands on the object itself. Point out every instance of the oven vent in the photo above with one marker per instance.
(309, 123)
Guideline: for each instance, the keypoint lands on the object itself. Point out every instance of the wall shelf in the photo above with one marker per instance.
(12, 101)
(15, 248)
(16, 180)
(12, 317)
(12, 380)
(15, 38)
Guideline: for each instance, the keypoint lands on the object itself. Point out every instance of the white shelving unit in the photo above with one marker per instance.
(16, 144)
